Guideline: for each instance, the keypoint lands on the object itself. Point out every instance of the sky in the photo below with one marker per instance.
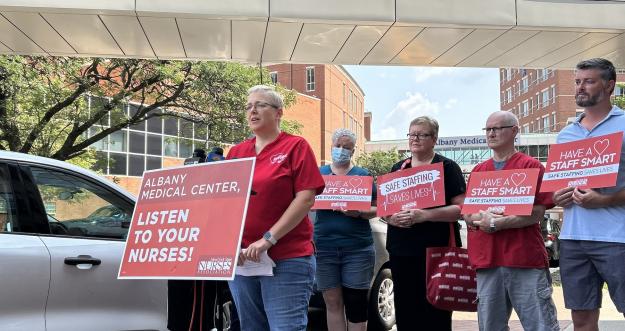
(460, 99)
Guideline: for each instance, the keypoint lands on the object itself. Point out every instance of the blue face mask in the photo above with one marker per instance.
(341, 155)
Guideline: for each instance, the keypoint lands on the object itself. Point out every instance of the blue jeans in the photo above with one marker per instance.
(276, 303)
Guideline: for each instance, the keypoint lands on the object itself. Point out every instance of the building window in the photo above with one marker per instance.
(524, 85)
(508, 74)
(523, 72)
(524, 109)
(554, 121)
(310, 79)
(553, 94)
(526, 128)
(508, 95)
(545, 98)
(546, 124)
(274, 77)
(544, 74)
(344, 94)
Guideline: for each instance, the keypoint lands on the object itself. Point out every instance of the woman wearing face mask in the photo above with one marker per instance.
(345, 251)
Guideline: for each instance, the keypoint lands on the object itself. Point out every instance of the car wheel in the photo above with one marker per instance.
(381, 302)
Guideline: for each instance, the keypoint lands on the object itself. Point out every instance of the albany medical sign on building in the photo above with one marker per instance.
(188, 222)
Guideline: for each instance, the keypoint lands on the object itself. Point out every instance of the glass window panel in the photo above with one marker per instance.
(155, 124)
(100, 144)
(201, 131)
(186, 128)
(136, 165)
(118, 141)
(153, 163)
(155, 145)
(533, 151)
(186, 148)
(170, 126)
(117, 164)
(132, 110)
(137, 142)
(170, 146)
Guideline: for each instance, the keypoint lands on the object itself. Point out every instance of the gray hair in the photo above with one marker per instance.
(605, 66)
(343, 133)
(508, 117)
(432, 123)
(275, 98)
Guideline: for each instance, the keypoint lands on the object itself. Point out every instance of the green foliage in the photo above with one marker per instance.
(378, 162)
(44, 111)
(620, 101)
(292, 127)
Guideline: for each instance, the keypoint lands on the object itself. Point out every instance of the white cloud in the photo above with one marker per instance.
(395, 123)
(423, 74)
(451, 103)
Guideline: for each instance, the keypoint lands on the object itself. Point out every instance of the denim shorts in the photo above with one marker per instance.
(348, 267)
(585, 266)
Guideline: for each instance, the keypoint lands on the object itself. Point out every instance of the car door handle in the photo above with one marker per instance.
(82, 259)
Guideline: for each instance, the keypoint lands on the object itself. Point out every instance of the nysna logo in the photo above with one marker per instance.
(214, 265)
(277, 158)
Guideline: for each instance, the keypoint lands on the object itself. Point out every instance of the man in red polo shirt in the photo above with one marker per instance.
(508, 252)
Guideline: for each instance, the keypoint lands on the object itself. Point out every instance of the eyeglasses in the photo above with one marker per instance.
(418, 136)
(497, 129)
(259, 105)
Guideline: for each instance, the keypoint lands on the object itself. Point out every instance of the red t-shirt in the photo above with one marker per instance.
(517, 248)
(284, 167)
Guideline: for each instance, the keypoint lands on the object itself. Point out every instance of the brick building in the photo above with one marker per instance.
(340, 98)
(542, 99)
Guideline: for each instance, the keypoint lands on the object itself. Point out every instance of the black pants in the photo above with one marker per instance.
(412, 309)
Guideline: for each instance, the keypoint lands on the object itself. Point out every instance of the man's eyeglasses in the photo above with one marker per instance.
(418, 136)
(259, 105)
(497, 129)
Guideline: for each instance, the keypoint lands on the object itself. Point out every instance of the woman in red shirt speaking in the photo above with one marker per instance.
(286, 180)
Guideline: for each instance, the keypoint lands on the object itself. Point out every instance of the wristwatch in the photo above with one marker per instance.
(270, 238)
(492, 227)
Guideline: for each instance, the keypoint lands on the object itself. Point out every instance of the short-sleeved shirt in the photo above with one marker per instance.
(335, 229)
(597, 224)
(414, 240)
(284, 167)
(516, 248)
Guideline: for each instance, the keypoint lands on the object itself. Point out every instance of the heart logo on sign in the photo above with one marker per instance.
(355, 182)
(518, 179)
(601, 145)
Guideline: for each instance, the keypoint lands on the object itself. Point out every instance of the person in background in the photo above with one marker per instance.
(345, 251)
(216, 154)
(592, 241)
(412, 231)
(508, 252)
(286, 180)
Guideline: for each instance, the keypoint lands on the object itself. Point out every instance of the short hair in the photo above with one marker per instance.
(343, 133)
(274, 97)
(605, 66)
(432, 123)
(509, 117)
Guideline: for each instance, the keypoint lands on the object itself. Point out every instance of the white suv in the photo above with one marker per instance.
(63, 276)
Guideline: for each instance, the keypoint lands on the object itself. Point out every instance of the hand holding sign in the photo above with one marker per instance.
(414, 188)
(505, 192)
(587, 163)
